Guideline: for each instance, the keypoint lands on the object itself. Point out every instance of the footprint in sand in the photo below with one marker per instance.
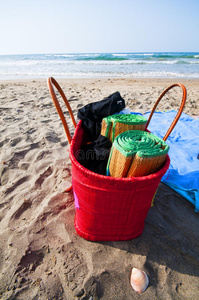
(29, 262)
(42, 177)
(15, 141)
(52, 137)
(21, 210)
(16, 184)
(75, 269)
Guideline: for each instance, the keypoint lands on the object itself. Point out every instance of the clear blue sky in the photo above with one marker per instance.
(67, 26)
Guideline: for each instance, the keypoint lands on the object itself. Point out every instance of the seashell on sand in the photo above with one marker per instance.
(139, 280)
(66, 186)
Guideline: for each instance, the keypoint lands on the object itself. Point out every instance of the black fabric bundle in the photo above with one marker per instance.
(94, 156)
(93, 113)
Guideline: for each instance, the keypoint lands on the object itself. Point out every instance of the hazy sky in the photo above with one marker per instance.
(67, 26)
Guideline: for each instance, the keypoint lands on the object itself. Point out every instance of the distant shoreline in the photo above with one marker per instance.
(137, 79)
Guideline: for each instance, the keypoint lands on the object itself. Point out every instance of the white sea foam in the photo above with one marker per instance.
(121, 54)
(90, 74)
(144, 54)
(87, 65)
(63, 55)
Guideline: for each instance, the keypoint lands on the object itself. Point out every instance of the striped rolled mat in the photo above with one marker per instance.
(113, 125)
(136, 153)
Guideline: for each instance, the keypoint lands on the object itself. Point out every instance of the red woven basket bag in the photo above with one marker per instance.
(107, 208)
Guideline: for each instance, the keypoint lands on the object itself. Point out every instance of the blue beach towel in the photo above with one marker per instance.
(183, 173)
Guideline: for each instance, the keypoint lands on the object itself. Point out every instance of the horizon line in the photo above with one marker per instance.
(98, 52)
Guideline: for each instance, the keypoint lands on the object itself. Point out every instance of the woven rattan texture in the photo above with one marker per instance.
(119, 164)
(144, 166)
(119, 128)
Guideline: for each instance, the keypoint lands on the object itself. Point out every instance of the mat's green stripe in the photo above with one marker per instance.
(109, 159)
(142, 143)
(129, 119)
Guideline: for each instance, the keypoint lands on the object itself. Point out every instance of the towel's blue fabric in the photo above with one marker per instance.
(183, 173)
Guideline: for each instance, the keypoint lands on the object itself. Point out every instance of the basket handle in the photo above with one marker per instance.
(178, 113)
(51, 81)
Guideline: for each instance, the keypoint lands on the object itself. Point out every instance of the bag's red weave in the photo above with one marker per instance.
(110, 209)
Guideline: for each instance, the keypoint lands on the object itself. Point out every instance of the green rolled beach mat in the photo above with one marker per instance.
(113, 125)
(136, 153)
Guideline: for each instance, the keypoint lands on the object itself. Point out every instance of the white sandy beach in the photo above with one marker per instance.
(41, 255)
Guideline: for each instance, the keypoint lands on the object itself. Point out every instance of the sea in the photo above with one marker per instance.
(97, 65)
